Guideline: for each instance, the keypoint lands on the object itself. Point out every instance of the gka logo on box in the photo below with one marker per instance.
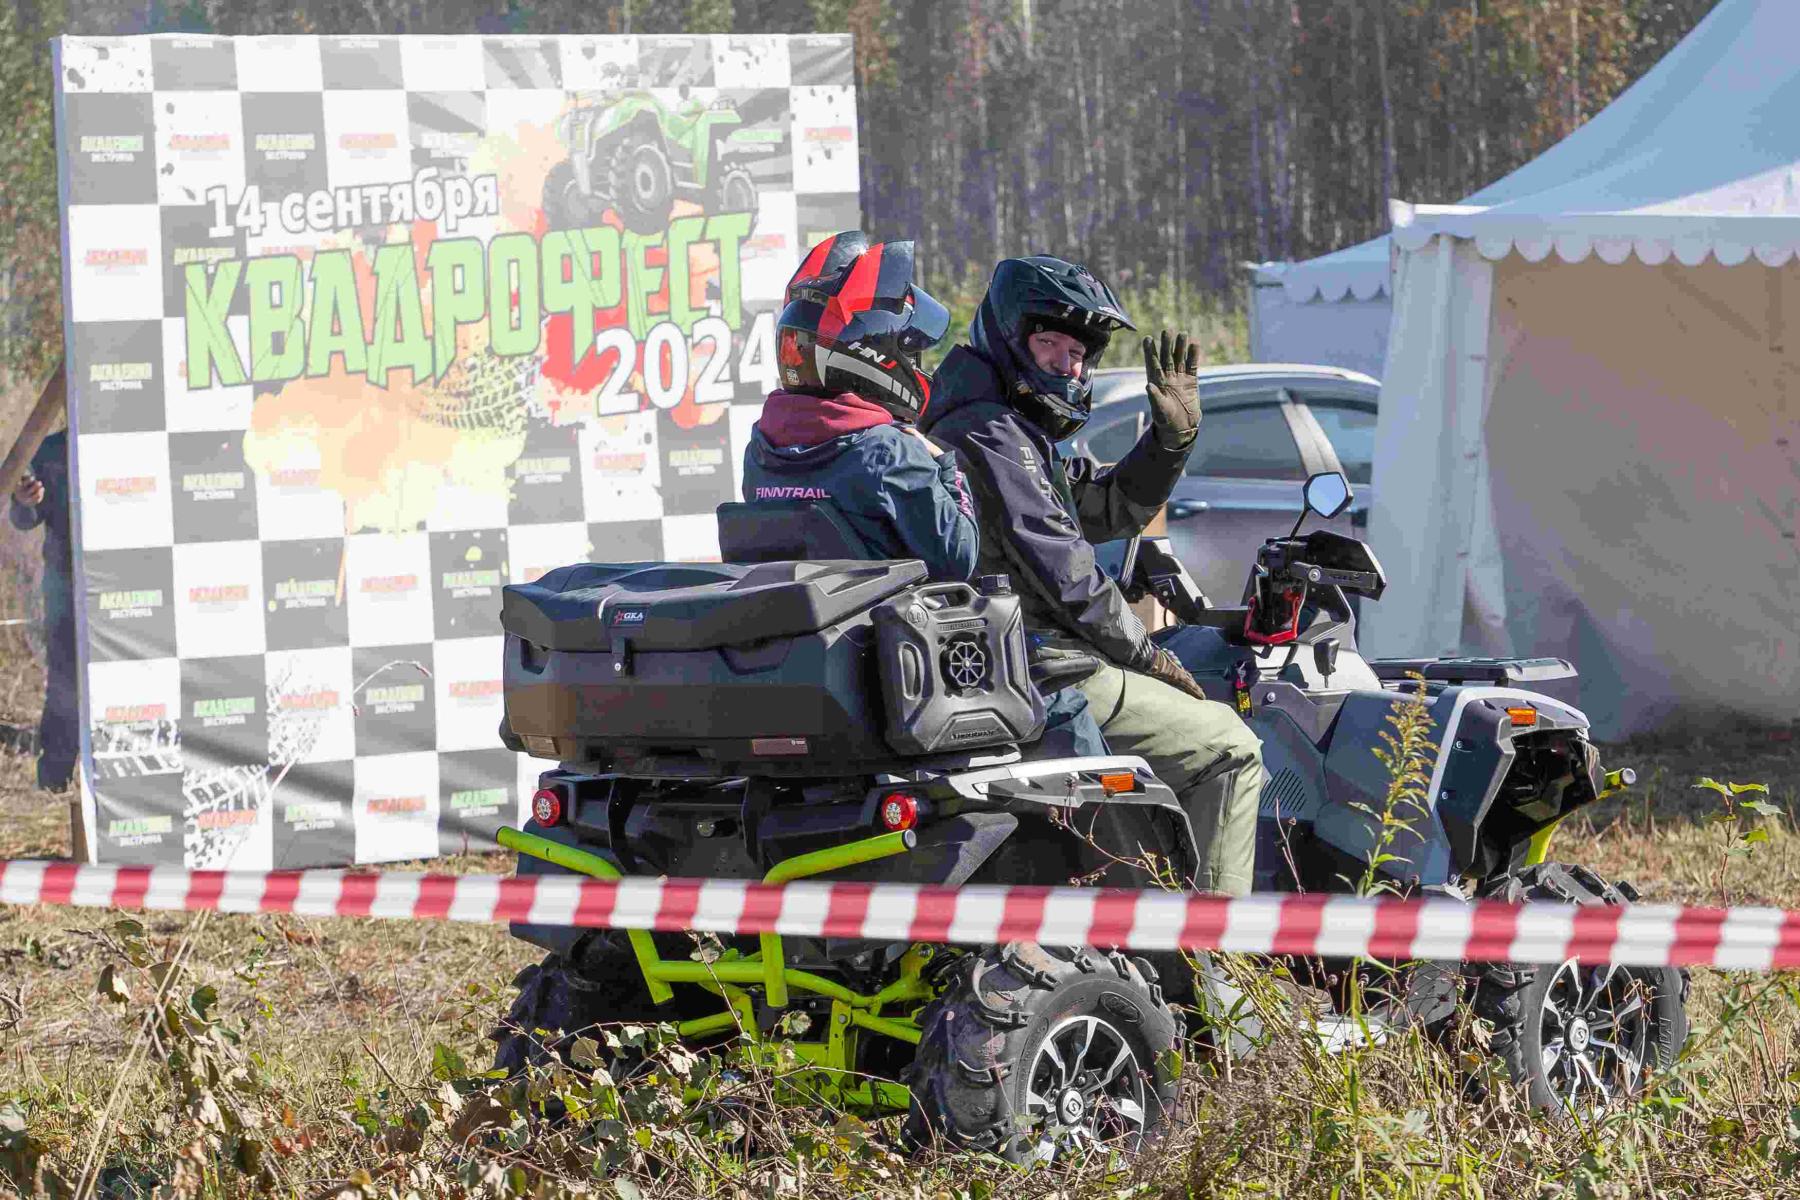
(628, 616)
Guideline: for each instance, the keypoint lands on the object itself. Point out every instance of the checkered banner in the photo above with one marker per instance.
(358, 331)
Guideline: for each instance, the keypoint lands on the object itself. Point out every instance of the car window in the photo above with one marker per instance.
(1351, 430)
(1252, 442)
(1113, 435)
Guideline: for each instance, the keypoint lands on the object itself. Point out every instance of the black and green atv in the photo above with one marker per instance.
(799, 713)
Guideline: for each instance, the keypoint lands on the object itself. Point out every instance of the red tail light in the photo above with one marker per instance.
(547, 806)
(899, 812)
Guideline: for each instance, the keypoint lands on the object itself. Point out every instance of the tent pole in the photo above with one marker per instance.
(1440, 382)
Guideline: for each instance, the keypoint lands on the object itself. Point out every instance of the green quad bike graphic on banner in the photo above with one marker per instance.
(637, 156)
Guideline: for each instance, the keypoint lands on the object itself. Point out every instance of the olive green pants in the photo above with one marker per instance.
(1206, 755)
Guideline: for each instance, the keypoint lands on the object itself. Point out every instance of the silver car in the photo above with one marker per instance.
(1264, 428)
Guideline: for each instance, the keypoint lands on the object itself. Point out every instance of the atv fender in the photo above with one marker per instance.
(1125, 824)
(642, 126)
(1473, 735)
(946, 854)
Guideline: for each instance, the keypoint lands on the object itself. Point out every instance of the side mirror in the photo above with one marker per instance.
(1328, 493)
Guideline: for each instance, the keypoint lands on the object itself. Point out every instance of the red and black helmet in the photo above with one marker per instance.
(856, 322)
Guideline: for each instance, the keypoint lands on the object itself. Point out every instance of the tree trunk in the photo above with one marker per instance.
(1574, 68)
(1032, 202)
(1089, 179)
(1178, 219)
(1476, 70)
(1387, 113)
(1106, 232)
(1258, 192)
(983, 161)
(1284, 123)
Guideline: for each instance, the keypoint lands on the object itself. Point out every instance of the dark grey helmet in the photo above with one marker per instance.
(1026, 296)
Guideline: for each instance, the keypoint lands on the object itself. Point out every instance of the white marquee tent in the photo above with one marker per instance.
(1587, 445)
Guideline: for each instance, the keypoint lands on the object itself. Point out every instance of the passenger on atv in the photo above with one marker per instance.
(1003, 402)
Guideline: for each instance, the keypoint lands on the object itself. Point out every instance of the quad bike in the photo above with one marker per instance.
(635, 156)
(1508, 764)
(722, 721)
(798, 711)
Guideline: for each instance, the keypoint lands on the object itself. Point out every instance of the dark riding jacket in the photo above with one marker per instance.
(900, 500)
(1040, 513)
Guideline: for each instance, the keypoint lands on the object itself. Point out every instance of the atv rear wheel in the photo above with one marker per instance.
(1034, 1053)
(1580, 1036)
(558, 1004)
(736, 191)
(643, 186)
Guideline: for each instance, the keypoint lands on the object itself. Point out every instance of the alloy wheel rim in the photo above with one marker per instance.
(1594, 1030)
(1086, 1088)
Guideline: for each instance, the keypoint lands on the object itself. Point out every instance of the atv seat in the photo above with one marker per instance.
(787, 531)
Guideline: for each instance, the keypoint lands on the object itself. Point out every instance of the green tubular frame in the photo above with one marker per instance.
(818, 862)
(729, 976)
(584, 863)
(1538, 848)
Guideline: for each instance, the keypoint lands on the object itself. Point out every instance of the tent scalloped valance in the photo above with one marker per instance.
(1329, 283)
(1771, 241)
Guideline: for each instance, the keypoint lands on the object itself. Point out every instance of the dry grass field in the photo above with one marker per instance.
(347, 1055)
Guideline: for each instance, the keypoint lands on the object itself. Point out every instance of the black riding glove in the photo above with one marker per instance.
(1174, 383)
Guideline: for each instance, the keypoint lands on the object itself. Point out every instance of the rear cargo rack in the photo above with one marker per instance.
(1474, 670)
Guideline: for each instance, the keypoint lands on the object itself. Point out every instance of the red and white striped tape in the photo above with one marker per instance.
(1757, 939)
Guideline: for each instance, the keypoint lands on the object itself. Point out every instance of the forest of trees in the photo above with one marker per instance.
(1165, 142)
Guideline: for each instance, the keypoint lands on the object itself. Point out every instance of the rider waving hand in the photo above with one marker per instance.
(1002, 402)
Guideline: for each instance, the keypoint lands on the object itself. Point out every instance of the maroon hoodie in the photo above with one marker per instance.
(796, 419)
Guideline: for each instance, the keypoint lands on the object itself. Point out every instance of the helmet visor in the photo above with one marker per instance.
(930, 319)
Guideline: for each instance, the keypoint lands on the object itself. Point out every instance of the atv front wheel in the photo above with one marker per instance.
(1033, 1053)
(1580, 1036)
(643, 186)
(736, 191)
(566, 206)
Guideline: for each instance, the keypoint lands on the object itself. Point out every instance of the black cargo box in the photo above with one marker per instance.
(694, 606)
(754, 668)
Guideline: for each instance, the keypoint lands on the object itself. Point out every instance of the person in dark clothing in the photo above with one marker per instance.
(1003, 402)
(42, 498)
(842, 427)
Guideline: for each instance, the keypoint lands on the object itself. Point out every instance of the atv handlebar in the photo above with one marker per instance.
(1356, 581)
